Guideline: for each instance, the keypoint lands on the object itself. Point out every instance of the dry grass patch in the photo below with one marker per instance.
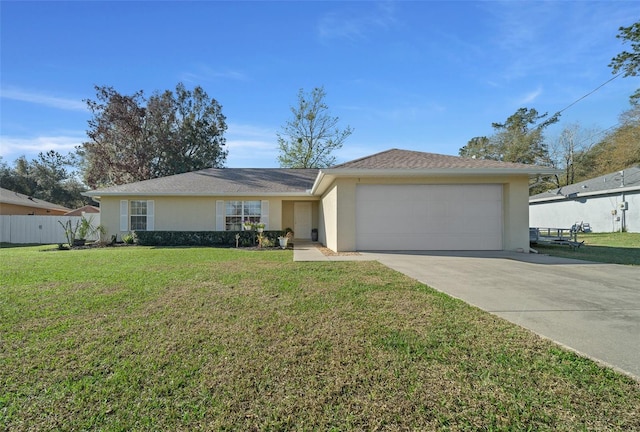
(328, 252)
(209, 339)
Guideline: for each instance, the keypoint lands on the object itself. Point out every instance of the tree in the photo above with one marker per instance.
(17, 179)
(480, 148)
(132, 138)
(619, 149)
(570, 152)
(49, 177)
(519, 139)
(308, 140)
(519, 142)
(629, 62)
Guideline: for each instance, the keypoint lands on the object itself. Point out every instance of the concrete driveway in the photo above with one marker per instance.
(591, 308)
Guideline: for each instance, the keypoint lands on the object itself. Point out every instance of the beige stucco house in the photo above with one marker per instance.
(393, 200)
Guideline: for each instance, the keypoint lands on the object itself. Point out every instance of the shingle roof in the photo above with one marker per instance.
(607, 182)
(221, 181)
(407, 159)
(83, 209)
(11, 197)
(264, 181)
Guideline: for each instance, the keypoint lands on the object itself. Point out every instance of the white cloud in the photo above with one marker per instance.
(251, 146)
(341, 25)
(205, 73)
(15, 93)
(13, 147)
(556, 37)
(531, 96)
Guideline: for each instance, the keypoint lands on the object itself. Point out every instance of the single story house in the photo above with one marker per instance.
(393, 200)
(14, 203)
(607, 203)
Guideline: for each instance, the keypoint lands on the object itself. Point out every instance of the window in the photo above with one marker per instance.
(236, 212)
(138, 216)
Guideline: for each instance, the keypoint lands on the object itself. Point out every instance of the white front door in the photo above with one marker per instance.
(302, 220)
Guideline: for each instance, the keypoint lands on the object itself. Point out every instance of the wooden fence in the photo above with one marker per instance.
(38, 229)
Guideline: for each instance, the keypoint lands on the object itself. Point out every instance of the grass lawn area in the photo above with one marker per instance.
(616, 248)
(136, 338)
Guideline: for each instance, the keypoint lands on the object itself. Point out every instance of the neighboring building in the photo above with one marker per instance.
(607, 203)
(84, 211)
(393, 200)
(14, 203)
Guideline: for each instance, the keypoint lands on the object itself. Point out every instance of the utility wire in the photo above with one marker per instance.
(602, 132)
(588, 94)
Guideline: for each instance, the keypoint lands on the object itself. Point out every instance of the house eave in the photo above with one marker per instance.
(36, 206)
(99, 195)
(326, 176)
(561, 197)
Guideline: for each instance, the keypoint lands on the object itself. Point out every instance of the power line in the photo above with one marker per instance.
(602, 132)
(588, 94)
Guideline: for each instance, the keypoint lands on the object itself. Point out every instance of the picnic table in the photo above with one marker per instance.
(555, 236)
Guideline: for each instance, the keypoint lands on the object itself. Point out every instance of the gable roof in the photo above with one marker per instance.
(411, 160)
(83, 209)
(221, 181)
(615, 182)
(10, 197)
(302, 182)
(397, 163)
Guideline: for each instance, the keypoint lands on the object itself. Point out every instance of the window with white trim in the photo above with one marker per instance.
(138, 215)
(238, 212)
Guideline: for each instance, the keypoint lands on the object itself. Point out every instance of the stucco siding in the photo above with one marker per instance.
(181, 213)
(288, 214)
(346, 215)
(328, 231)
(596, 210)
(340, 201)
(516, 214)
(184, 214)
(13, 209)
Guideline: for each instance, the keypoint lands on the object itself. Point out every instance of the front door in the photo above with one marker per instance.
(302, 220)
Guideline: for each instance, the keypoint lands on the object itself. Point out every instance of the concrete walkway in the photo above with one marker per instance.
(308, 251)
(591, 308)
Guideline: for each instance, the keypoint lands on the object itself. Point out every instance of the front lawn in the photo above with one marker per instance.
(615, 248)
(143, 338)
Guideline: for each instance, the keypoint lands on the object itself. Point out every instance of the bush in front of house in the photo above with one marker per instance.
(204, 238)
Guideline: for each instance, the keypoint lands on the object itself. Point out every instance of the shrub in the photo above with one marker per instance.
(129, 238)
(203, 238)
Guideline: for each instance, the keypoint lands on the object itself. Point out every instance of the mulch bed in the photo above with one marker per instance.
(328, 252)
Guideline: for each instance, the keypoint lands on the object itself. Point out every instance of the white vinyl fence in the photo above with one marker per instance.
(38, 229)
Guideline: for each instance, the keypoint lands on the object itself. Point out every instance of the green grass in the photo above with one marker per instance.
(615, 248)
(136, 338)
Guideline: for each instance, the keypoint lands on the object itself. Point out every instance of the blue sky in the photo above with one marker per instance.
(424, 76)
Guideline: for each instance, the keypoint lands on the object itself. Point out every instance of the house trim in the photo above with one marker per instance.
(584, 194)
(327, 176)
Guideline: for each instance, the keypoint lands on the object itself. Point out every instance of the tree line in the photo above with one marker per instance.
(580, 153)
(133, 138)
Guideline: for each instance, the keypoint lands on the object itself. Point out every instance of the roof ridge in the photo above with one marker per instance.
(365, 157)
(414, 159)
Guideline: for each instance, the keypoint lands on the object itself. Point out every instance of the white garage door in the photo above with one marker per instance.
(429, 217)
